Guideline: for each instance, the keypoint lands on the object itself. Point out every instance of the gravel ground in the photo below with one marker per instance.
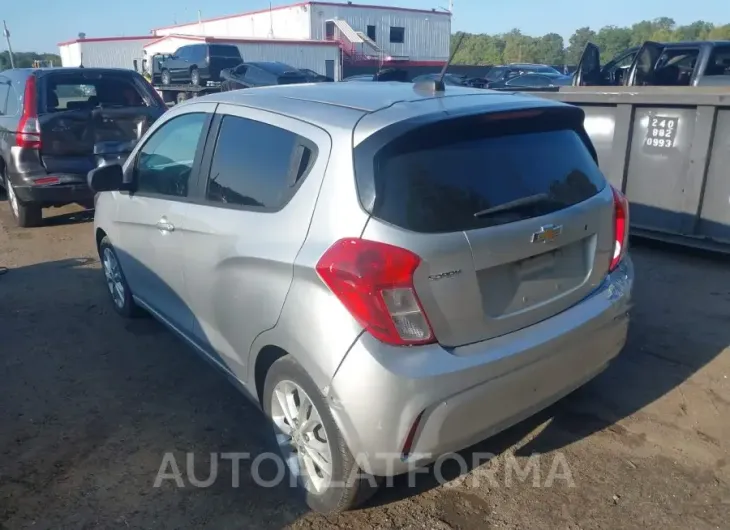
(90, 404)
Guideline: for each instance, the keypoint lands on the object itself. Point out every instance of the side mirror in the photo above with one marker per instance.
(106, 178)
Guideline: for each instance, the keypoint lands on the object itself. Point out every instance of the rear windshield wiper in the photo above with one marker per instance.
(540, 198)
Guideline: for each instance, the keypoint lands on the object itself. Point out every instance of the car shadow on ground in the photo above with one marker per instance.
(100, 404)
(55, 219)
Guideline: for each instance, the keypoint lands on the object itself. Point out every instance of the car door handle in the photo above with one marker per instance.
(164, 226)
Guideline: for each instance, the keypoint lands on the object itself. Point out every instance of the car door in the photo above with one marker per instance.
(179, 65)
(643, 68)
(262, 180)
(588, 72)
(151, 219)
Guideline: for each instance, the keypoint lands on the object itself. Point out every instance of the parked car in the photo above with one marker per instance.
(533, 82)
(451, 79)
(56, 124)
(386, 74)
(199, 64)
(383, 271)
(314, 77)
(248, 75)
(705, 63)
(506, 72)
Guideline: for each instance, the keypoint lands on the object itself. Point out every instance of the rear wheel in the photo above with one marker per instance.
(309, 441)
(165, 77)
(195, 77)
(182, 96)
(26, 215)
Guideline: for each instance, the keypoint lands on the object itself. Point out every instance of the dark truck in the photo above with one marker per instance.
(57, 124)
(705, 63)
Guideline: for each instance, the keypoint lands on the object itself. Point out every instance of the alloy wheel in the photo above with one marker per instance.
(301, 436)
(113, 275)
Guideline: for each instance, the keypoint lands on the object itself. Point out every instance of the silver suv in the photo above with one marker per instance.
(392, 274)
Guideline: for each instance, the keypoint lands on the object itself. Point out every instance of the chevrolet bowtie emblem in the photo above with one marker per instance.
(547, 233)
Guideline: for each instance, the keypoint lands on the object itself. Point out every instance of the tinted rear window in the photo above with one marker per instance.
(78, 92)
(435, 181)
(224, 50)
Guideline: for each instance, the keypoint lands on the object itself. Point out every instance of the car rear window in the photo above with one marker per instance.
(436, 179)
(77, 92)
(225, 51)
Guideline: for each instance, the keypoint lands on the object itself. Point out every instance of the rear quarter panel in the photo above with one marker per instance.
(314, 327)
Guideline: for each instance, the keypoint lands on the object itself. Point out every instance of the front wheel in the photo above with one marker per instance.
(310, 443)
(117, 284)
(165, 77)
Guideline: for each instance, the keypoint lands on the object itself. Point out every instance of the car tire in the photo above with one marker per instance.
(116, 282)
(26, 215)
(165, 77)
(181, 97)
(194, 77)
(348, 486)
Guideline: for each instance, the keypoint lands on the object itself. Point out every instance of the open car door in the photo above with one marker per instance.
(589, 67)
(642, 69)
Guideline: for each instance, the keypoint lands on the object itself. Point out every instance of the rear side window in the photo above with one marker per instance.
(437, 178)
(256, 164)
(77, 92)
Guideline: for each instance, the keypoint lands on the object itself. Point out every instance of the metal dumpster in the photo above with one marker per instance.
(668, 149)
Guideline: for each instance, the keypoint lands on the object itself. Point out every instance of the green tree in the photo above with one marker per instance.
(550, 49)
(696, 31)
(26, 59)
(719, 33)
(577, 43)
(612, 40)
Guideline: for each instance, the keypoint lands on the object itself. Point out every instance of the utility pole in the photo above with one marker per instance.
(6, 33)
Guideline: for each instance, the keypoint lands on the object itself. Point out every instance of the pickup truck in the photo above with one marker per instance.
(705, 63)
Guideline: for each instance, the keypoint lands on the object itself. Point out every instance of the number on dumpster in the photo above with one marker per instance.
(661, 133)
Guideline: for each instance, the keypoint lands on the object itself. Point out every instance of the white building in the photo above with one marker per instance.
(304, 35)
(365, 33)
(322, 57)
(110, 52)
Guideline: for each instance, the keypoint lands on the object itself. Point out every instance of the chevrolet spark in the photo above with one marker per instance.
(391, 273)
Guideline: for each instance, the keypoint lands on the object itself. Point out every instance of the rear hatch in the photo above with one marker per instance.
(509, 213)
(222, 57)
(86, 117)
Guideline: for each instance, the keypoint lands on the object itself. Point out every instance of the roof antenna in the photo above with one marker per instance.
(437, 85)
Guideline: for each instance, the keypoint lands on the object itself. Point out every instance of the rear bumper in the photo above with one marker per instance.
(467, 394)
(57, 194)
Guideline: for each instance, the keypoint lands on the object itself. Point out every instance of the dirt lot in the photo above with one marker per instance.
(89, 404)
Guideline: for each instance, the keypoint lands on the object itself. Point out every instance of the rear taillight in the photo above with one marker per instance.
(374, 281)
(29, 129)
(620, 228)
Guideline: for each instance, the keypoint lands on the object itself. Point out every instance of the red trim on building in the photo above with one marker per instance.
(106, 39)
(224, 40)
(332, 4)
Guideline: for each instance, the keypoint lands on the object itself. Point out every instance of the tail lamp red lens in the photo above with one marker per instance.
(374, 281)
(29, 130)
(621, 228)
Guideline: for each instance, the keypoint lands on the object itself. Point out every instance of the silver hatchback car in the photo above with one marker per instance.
(392, 274)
